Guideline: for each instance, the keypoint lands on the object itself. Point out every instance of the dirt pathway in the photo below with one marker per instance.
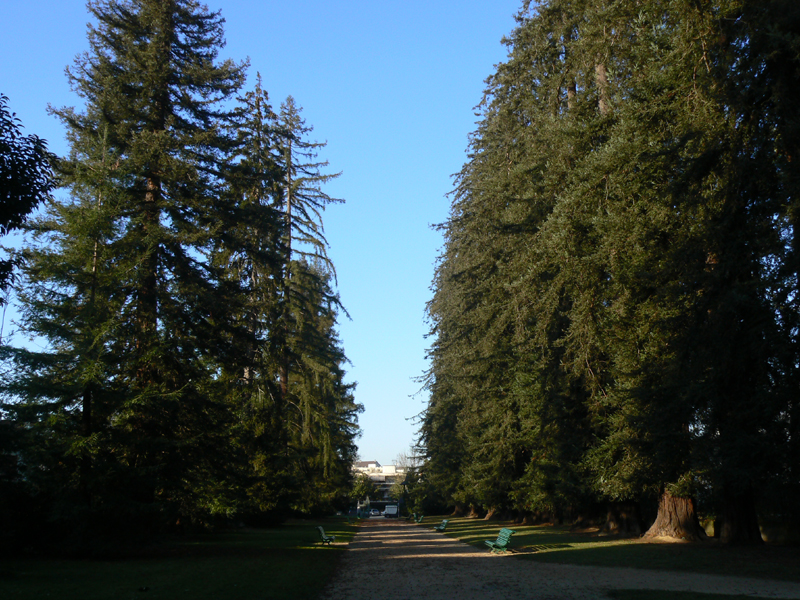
(401, 561)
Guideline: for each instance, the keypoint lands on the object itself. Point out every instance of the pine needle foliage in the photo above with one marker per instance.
(609, 312)
(157, 291)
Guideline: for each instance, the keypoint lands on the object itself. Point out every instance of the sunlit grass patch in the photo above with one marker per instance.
(558, 544)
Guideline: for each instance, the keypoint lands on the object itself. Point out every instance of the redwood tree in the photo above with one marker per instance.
(146, 155)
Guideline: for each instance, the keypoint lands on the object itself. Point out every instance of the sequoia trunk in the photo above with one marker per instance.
(740, 522)
(677, 518)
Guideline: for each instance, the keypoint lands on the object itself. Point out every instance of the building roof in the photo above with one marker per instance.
(362, 464)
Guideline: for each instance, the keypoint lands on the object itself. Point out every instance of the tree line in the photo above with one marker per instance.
(615, 310)
(185, 367)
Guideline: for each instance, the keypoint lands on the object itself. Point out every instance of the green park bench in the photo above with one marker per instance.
(441, 526)
(326, 539)
(501, 543)
(419, 519)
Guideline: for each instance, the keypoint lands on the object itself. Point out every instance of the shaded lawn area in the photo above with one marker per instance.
(557, 544)
(665, 595)
(285, 562)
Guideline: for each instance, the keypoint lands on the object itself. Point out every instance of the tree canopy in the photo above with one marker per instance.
(26, 178)
(158, 285)
(612, 312)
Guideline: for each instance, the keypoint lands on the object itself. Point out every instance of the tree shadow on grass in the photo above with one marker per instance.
(279, 563)
(670, 595)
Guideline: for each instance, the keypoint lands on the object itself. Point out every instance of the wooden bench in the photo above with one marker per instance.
(326, 539)
(419, 519)
(441, 526)
(501, 543)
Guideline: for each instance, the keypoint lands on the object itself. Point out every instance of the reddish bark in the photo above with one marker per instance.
(493, 515)
(740, 521)
(603, 103)
(622, 518)
(677, 518)
(147, 305)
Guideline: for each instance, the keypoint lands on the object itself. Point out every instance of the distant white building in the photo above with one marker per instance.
(383, 477)
(367, 466)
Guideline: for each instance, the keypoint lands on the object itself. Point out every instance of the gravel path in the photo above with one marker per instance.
(402, 561)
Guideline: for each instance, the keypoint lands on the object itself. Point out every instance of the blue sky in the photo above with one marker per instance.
(391, 86)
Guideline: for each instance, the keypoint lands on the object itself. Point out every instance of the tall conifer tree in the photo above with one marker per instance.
(302, 199)
(620, 284)
(298, 417)
(153, 91)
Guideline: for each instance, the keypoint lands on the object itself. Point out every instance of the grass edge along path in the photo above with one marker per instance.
(557, 544)
(670, 595)
(280, 563)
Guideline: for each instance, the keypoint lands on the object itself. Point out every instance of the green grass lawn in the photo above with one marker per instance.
(663, 595)
(285, 562)
(557, 544)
